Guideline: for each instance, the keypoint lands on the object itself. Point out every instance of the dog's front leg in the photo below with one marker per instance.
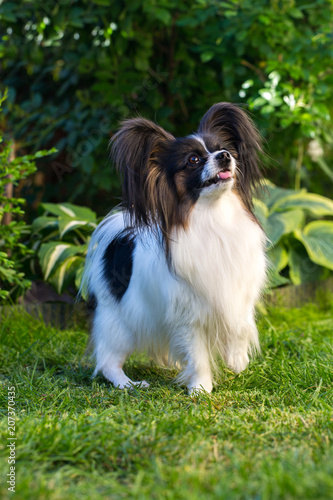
(197, 374)
(243, 341)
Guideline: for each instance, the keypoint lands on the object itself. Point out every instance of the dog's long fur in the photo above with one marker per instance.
(179, 269)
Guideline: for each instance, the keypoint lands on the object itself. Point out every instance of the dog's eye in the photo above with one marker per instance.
(194, 159)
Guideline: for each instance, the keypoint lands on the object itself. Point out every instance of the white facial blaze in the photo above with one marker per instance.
(211, 170)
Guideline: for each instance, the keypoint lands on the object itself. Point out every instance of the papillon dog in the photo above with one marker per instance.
(177, 270)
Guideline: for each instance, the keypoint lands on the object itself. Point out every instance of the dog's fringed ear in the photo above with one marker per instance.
(135, 150)
(239, 135)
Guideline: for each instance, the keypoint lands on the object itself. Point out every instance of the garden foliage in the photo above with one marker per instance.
(88, 64)
(299, 228)
(14, 235)
(60, 238)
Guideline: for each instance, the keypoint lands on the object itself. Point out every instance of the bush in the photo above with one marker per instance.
(86, 66)
(13, 252)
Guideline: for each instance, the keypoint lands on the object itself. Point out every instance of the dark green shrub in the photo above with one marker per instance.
(87, 64)
(13, 249)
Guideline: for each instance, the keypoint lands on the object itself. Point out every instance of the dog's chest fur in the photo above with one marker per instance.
(221, 256)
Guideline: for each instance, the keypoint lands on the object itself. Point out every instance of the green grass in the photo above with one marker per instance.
(264, 434)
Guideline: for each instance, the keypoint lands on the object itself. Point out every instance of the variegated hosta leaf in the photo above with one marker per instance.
(281, 223)
(67, 224)
(53, 253)
(317, 237)
(44, 223)
(314, 204)
(66, 272)
(301, 268)
(69, 210)
(277, 260)
(78, 280)
(275, 279)
(58, 209)
(272, 194)
(278, 257)
(260, 211)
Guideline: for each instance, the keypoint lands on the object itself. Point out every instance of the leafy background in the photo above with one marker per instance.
(74, 68)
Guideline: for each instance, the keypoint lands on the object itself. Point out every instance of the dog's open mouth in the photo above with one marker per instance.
(220, 177)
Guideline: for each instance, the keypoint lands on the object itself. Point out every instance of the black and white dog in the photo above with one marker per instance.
(179, 269)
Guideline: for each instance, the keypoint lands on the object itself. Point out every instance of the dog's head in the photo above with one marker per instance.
(164, 176)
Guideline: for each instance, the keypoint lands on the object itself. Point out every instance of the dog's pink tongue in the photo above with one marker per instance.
(225, 175)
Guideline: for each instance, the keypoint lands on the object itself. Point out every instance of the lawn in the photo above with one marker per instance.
(264, 434)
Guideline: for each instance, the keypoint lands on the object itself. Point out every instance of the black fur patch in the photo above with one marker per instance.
(118, 264)
(212, 143)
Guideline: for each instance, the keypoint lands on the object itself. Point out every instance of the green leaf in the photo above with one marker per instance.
(66, 273)
(296, 13)
(272, 194)
(82, 213)
(276, 101)
(49, 254)
(301, 268)
(53, 253)
(267, 110)
(317, 237)
(278, 257)
(207, 56)
(67, 224)
(79, 276)
(42, 223)
(44, 152)
(275, 279)
(277, 260)
(314, 204)
(260, 211)
(162, 15)
(69, 210)
(258, 102)
(58, 209)
(281, 223)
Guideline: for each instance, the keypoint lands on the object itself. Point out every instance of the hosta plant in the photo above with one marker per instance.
(299, 226)
(60, 238)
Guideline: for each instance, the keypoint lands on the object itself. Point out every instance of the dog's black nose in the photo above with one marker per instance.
(224, 156)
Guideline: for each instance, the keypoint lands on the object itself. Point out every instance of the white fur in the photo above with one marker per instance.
(212, 168)
(189, 312)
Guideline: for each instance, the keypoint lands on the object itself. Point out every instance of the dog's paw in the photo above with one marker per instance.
(141, 384)
(238, 361)
(198, 388)
(130, 385)
(121, 381)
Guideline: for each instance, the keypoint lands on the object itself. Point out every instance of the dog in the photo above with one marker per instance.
(177, 270)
